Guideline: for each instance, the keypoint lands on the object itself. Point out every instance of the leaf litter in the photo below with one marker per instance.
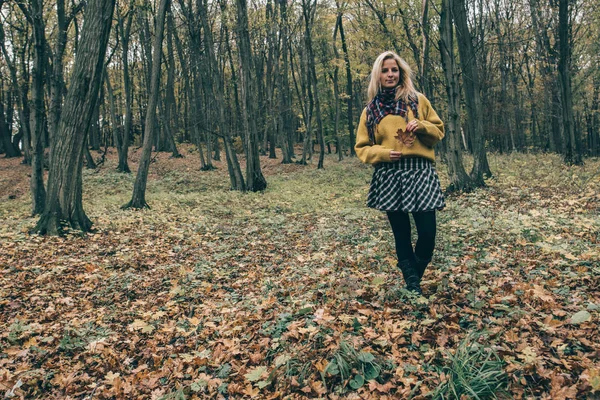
(294, 292)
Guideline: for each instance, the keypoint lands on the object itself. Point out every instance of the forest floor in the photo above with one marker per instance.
(294, 293)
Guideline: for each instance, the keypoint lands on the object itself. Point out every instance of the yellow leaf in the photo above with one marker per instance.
(528, 355)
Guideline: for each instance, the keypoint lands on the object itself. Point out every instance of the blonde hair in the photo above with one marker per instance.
(405, 88)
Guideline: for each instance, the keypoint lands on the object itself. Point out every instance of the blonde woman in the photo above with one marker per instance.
(397, 132)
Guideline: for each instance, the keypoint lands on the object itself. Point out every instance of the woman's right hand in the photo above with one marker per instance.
(395, 155)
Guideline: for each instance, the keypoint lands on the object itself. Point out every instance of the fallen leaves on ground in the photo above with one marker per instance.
(213, 293)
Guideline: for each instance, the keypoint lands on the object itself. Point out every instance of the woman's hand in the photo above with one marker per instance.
(395, 155)
(412, 126)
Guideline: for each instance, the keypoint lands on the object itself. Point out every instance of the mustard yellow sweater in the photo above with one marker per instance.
(430, 131)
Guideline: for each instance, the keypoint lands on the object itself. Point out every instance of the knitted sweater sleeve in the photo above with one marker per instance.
(366, 152)
(430, 127)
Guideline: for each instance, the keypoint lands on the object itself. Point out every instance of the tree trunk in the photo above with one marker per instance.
(309, 13)
(287, 149)
(349, 95)
(26, 117)
(138, 199)
(336, 91)
(171, 115)
(17, 91)
(468, 61)
(459, 179)
(255, 181)
(64, 201)
(6, 136)
(125, 33)
(38, 193)
(572, 156)
(57, 78)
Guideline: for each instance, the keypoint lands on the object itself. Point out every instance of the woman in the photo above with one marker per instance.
(396, 134)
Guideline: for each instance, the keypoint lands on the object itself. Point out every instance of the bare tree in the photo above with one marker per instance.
(138, 199)
(468, 63)
(572, 155)
(459, 180)
(255, 181)
(64, 201)
(33, 13)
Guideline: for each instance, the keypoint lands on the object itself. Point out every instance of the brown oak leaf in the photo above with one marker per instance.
(406, 138)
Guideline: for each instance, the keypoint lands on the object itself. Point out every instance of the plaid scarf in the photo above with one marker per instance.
(385, 103)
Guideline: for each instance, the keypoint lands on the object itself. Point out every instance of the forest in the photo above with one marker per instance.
(183, 213)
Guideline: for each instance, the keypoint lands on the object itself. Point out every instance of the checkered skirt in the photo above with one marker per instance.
(408, 185)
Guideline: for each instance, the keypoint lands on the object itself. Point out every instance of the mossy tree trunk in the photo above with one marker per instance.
(64, 200)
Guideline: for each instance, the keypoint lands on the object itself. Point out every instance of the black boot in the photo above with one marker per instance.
(411, 276)
(420, 266)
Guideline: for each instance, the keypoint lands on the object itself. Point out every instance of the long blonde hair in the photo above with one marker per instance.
(405, 88)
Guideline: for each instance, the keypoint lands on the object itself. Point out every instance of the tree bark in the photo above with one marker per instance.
(57, 78)
(38, 192)
(309, 10)
(468, 63)
(17, 91)
(138, 199)
(215, 77)
(349, 96)
(572, 155)
(6, 136)
(125, 133)
(64, 201)
(255, 181)
(287, 134)
(459, 179)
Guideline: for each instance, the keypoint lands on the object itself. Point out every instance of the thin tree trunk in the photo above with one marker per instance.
(349, 95)
(287, 149)
(459, 179)
(572, 155)
(336, 91)
(255, 181)
(468, 61)
(309, 13)
(38, 192)
(138, 199)
(64, 201)
(125, 33)
(6, 136)
(17, 90)
(171, 115)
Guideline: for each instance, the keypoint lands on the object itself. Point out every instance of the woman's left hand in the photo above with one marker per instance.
(412, 126)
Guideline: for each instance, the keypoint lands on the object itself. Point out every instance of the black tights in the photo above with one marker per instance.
(426, 228)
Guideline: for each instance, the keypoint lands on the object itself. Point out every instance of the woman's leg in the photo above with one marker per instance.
(400, 223)
(426, 230)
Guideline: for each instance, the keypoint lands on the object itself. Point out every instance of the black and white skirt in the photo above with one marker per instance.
(408, 185)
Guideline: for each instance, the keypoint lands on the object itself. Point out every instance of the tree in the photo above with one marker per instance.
(309, 10)
(255, 181)
(572, 155)
(459, 180)
(64, 200)
(138, 199)
(124, 23)
(468, 63)
(33, 13)
(350, 114)
(285, 105)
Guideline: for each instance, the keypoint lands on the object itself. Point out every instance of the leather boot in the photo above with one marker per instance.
(420, 266)
(411, 276)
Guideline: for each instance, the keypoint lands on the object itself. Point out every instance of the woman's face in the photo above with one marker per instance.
(390, 74)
